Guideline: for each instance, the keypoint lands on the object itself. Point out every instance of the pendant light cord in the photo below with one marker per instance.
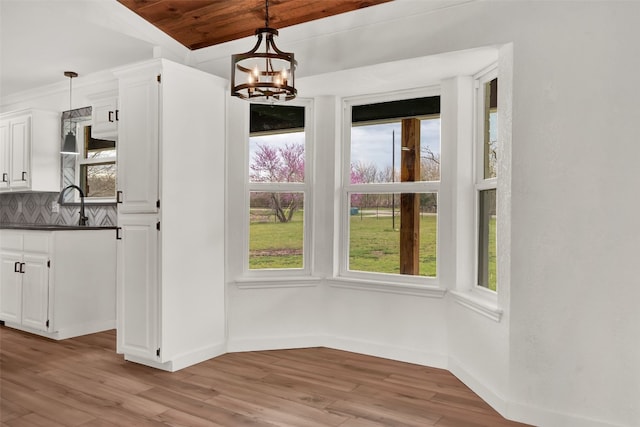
(266, 18)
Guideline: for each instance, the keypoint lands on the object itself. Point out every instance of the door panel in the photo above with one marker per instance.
(10, 287)
(35, 292)
(138, 286)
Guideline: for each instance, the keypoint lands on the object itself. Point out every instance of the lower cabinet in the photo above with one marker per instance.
(138, 293)
(58, 284)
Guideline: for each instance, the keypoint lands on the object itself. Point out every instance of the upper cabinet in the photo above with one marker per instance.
(105, 115)
(30, 151)
(138, 130)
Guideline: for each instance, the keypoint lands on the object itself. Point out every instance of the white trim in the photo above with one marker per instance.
(493, 398)
(275, 343)
(402, 354)
(483, 306)
(391, 287)
(346, 188)
(277, 282)
(306, 188)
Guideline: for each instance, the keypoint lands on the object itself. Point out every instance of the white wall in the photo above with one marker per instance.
(567, 347)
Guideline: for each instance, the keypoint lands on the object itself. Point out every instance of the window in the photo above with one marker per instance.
(97, 166)
(94, 168)
(278, 192)
(486, 181)
(392, 176)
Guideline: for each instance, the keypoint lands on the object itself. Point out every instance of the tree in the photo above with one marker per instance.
(283, 164)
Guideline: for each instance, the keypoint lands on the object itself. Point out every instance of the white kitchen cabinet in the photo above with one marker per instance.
(104, 116)
(138, 183)
(138, 279)
(30, 151)
(58, 284)
(171, 299)
(24, 290)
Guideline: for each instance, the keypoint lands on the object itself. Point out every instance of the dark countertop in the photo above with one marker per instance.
(50, 227)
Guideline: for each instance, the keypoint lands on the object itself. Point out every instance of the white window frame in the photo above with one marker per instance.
(482, 183)
(347, 188)
(286, 187)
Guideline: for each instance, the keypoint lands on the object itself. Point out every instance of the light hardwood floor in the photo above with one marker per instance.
(83, 382)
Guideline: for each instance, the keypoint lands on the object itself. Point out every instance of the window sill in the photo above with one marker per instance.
(388, 287)
(277, 282)
(479, 304)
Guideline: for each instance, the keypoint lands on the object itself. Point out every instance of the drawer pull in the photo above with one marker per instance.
(118, 234)
(24, 176)
(22, 267)
(118, 196)
(111, 116)
(5, 177)
(16, 267)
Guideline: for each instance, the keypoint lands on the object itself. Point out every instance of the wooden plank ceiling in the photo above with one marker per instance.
(201, 23)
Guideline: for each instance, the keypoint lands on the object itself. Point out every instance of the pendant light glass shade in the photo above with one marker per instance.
(70, 145)
(265, 73)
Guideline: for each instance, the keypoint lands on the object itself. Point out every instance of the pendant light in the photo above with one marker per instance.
(69, 146)
(265, 75)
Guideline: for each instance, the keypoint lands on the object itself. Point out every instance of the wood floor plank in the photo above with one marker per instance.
(83, 382)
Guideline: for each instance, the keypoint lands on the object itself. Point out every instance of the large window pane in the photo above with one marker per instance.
(276, 143)
(376, 151)
(487, 240)
(377, 225)
(276, 230)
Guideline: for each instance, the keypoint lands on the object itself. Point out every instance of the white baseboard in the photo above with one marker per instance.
(85, 329)
(521, 412)
(546, 418)
(402, 354)
(69, 332)
(183, 360)
(275, 343)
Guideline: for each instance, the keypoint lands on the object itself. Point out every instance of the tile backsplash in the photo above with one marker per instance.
(36, 208)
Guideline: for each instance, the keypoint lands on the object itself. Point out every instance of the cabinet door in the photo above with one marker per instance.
(4, 155)
(35, 291)
(10, 287)
(20, 152)
(105, 115)
(138, 140)
(138, 287)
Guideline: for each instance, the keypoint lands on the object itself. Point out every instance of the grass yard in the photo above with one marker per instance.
(373, 244)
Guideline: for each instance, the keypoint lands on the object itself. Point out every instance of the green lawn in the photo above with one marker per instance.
(374, 245)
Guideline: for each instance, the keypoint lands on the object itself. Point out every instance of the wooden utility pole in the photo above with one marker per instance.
(410, 202)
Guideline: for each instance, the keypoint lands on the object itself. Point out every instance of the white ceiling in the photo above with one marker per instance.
(40, 39)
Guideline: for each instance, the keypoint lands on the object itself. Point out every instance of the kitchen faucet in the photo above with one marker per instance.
(83, 219)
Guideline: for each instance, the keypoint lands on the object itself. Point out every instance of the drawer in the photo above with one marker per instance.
(11, 240)
(36, 241)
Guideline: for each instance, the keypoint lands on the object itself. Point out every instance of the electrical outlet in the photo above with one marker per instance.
(55, 207)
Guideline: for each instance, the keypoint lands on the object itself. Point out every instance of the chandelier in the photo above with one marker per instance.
(265, 74)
